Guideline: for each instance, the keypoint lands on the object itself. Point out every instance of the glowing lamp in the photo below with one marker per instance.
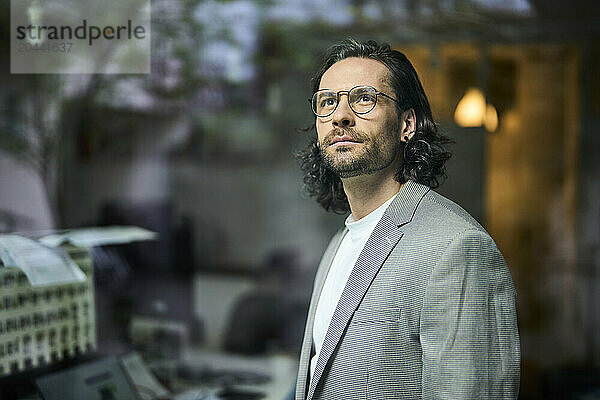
(470, 111)
(491, 118)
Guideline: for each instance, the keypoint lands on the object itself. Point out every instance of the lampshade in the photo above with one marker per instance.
(491, 118)
(471, 109)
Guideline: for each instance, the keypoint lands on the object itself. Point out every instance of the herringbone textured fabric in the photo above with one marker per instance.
(428, 311)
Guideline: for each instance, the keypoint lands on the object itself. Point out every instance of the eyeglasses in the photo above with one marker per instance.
(361, 99)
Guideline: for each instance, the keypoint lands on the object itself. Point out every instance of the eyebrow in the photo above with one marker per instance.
(352, 87)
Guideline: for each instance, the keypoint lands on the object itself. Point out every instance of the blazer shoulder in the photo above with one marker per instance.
(442, 210)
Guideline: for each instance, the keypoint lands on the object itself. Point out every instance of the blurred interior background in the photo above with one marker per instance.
(201, 151)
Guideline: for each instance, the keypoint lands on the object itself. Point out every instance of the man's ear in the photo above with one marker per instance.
(408, 125)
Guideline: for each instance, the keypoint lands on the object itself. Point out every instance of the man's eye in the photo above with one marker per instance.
(330, 102)
(366, 98)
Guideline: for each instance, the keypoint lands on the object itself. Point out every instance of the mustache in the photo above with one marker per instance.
(351, 132)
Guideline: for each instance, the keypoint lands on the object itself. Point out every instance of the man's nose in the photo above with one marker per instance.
(343, 116)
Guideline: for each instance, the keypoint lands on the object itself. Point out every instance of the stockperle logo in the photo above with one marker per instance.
(80, 36)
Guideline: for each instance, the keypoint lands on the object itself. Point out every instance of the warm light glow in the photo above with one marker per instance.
(491, 118)
(510, 121)
(470, 111)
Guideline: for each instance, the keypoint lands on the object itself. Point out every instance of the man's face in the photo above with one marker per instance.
(352, 144)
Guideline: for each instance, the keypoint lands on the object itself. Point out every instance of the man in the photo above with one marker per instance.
(412, 298)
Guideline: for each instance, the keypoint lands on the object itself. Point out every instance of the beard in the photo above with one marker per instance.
(375, 153)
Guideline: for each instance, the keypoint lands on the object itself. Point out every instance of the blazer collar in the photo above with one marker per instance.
(382, 241)
(403, 208)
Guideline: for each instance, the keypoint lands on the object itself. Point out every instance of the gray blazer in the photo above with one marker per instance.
(428, 311)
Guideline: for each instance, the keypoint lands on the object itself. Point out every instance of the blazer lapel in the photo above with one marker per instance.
(384, 238)
(322, 270)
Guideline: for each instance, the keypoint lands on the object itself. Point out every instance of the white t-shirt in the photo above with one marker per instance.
(339, 272)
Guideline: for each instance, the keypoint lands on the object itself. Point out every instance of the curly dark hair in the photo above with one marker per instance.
(424, 153)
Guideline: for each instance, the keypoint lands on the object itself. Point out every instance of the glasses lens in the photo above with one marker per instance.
(362, 99)
(324, 102)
